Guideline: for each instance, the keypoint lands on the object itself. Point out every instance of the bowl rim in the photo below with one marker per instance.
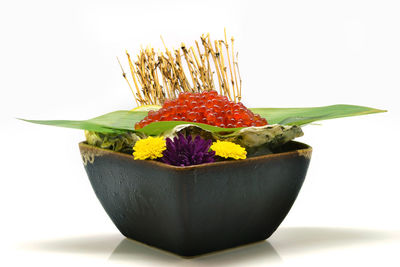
(98, 151)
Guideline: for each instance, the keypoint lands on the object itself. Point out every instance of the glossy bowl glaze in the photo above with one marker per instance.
(197, 209)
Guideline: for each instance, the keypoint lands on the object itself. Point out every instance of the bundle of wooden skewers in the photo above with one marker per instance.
(160, 76)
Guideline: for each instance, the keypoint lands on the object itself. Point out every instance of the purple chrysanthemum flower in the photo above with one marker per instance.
(185, 151)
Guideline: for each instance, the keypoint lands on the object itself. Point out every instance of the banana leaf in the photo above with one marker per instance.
(124, 120)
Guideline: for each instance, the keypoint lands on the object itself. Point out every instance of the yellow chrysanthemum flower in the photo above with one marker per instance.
(227, 149)
(149, 148)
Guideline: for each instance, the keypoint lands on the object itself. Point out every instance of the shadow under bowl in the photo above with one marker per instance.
(197, 209)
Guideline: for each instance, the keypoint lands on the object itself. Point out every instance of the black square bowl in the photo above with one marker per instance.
(197, 209)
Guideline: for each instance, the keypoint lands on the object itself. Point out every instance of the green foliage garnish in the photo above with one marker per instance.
(124, 120)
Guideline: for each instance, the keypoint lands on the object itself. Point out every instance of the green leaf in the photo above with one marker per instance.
(124, 120)
(156, 128)
(301, 116)
(114, 122)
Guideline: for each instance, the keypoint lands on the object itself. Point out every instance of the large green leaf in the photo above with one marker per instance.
(284, 116)
(114, 122)
(124, 120)
(301, 116)
(159, 127)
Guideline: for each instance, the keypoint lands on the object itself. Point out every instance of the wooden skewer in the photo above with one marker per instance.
(129, 84)
(230, 67)
(159, 76)
(214, 56)
(234, 71)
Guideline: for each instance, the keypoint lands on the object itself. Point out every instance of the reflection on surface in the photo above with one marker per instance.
(90, 245)
(286, 241)
(130, 250)
(309, 239)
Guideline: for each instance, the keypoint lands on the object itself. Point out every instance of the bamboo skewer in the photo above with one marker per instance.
(126, 79)
(163, 75)
(234, 70)
(138, 96)
(240, 78)
(214, 56)
(223, 69)
(230, 66)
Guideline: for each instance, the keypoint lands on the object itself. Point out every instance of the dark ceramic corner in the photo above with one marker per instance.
(197, 209)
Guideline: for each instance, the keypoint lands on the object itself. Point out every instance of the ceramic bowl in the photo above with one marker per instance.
(197, 209)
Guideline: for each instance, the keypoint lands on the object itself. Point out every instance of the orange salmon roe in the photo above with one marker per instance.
(206, 107)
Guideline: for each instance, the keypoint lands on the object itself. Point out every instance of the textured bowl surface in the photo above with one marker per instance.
(197, 209)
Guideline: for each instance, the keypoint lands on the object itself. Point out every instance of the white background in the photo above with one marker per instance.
(58, 61)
